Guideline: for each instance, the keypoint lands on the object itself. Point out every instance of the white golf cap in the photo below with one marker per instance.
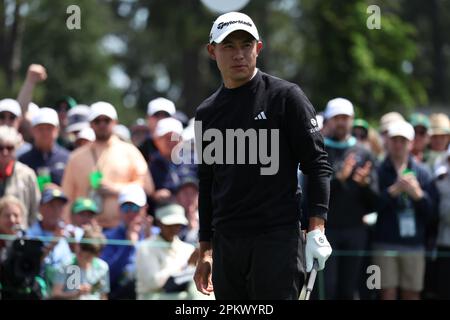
(12, 106)
(86, 134)
(45, 116)
(133, 193)
(171, 214)
(389, 118)
(401, 129)
(230, 22)
(161, 104)
(102, 108)
(338, 106)
(167, 125)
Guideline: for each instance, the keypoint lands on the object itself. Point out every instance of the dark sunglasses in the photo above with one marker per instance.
(7, 116)
(130, 207)
(97, 121)
(9, 148)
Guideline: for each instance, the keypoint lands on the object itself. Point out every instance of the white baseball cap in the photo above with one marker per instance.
(161, 104)
(102, 108)
(230, 22)
(86, 134)
(167, 125)
(338, 106)
(133, 193)
(12, 106)
(171, 214)
(401, 129)
(389, 118)
(45, 116)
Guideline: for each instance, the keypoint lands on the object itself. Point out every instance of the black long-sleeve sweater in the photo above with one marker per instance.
(237, 199)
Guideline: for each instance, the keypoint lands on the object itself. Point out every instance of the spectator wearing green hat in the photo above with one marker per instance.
(360, 130)
(84, 211)
(368, 137)
(421, 125)
(51, 229)
(92, 282)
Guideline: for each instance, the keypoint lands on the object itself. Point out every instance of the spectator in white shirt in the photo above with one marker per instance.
(164, 261)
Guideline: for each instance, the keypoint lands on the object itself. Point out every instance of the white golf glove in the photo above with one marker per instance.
(317, 247)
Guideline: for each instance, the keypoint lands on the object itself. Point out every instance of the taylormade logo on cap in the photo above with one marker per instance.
(230, 22)
(226, 24)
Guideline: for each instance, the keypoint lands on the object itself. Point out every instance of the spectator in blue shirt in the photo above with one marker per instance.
(166, 174)
(121, 257)
(405, 207)
(157, 109)
(57, 250)
(46, 157)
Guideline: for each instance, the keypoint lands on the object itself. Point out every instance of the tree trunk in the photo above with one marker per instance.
(10, 43)
(438, 91)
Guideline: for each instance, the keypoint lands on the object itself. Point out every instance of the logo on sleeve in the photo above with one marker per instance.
(315, 126)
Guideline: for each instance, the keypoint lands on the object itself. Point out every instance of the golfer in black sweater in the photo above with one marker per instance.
(251, 136)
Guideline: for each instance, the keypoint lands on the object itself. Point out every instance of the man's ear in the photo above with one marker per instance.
(210, 48)
(259, 46)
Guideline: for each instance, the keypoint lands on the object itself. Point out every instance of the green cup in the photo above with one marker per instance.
(408, 171)
(96, 179)
(42, 180)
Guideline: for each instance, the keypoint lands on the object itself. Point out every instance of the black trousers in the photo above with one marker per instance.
(443, 274)
(268, 266)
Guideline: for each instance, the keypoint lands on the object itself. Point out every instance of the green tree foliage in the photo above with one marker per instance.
(165, 53)
(345, 58)
(76, 64)
(323, 45)
(432, 21)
